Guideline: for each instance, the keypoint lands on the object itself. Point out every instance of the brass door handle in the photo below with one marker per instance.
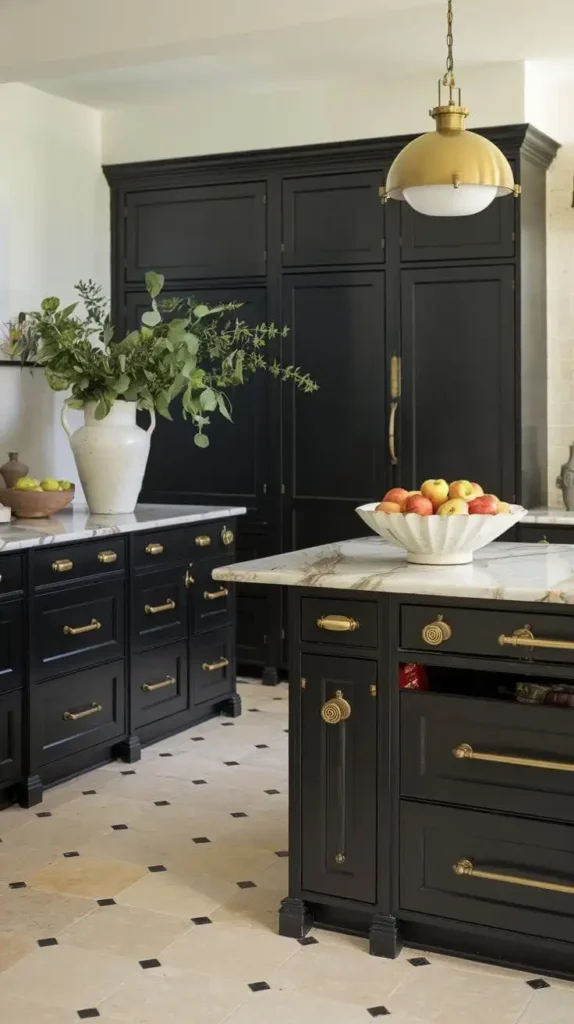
(525, 638)
(392, 443)
(336, 710)
(154, 549)
(215, 594)
(76, 630)
(466, 867)
(188, 579)
(227, 536)
(464, 751)
(107, 557)
(203, 541)
(435, 633)
(74, 716)
(62, 565)
(156, 609)
(150, 687)
(214, 665)
(337, 623)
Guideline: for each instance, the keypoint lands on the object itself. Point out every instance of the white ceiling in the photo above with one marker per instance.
(111, 52)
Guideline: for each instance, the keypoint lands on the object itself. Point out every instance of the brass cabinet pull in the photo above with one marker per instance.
(74, 716)
(107, 557)
(544, 540)
(150, 687)
(76, 630)
(188, 579)
(214, 665)
(213, 596)
(62, 565)
(337, 623)
(466, 867)
(227, 536)
(336, 710)
(395, 390)
(155, 609)
(525, 638)
(435, 633)
(392, 443)
(203, 541)
(154, 549)
(464, 751)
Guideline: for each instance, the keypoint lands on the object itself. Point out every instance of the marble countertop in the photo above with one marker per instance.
(501, 571)
(76, 523)
(550, 517)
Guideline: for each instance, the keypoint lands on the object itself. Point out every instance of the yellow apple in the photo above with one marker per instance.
(504, 507)
(26, 483)
(49, 484)
(453, 507)
(478, 491)
(388, 506)
(461, 489)
(436, 491)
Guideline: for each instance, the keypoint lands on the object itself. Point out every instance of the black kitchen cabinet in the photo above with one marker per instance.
(487, 235)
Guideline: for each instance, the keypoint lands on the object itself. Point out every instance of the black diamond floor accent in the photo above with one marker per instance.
(201, 839)
(262, 746)
(202, 920)
(16, 885)
(43, 814)
(258, 986)
(227, 723)
(230, 763)
(166, 755)
(419, 961)
(129, 772)
(146, 964)
(246, 885)
(538, 983)
(199, 782)
(378, 1011)
(86, 1014)
(199, 739)
(239, 814)
(71, 853)
(272, 792)
(281, 853)
(254, 710)
(119, 828)
(88, 792)
(286, 730)
(161, 803)
(309, 940)
(106, 903)
(156, 867)
(278, 698)
(47, 942)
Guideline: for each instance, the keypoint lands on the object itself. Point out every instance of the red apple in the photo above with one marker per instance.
(478, 491)
(419, 504)
(461, 489)
(485, 505)
(388, 506)
(410, 494)
(436, 490)
(396, 494)
(453, 507)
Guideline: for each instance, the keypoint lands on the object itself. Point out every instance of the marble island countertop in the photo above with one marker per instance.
(550, 517)
(76, 523)
(501, 571)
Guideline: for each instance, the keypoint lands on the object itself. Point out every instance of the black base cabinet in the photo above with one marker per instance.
(442, 819)
(108, 645)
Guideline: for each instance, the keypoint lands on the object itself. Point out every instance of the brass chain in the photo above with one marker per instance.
(448, 79)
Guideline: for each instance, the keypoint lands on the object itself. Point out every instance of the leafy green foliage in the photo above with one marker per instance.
(183, 349)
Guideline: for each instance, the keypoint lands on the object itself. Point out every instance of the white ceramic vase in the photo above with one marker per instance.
(111, 456)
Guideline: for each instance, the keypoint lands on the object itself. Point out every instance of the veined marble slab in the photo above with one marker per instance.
(78, 524)
(501, 571)
(550, 517)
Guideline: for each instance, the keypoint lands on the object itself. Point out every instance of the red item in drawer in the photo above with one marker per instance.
(413, 677)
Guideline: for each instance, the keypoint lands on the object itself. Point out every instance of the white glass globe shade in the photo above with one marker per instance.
(448, 201)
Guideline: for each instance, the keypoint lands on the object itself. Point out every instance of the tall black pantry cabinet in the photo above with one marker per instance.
(452, 310)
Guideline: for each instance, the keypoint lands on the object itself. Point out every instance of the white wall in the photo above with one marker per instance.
(54, 227)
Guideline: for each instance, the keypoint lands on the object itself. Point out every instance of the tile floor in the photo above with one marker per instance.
(148, 895)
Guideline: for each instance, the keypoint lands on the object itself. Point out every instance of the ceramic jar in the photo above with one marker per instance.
(566, 481)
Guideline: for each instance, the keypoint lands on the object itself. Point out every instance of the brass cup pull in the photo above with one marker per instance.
(76, 630)
(156, 609)
(336, 710)
(74, 716)
(214, 665)
(337, 623)
(62, 565)
(215, 594)
(154, 549)
(150, 687)
(466, 867)
(525, 638)
(188, 579)
(203, 541)
(464, 751)
(107, 557)
(435, 633)
(227, 537)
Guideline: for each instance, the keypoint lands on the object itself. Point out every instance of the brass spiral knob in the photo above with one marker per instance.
(435, 633)
(336, 710)
(227, 536)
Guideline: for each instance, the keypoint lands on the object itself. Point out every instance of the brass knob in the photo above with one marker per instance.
(188, 579)
(154, 549)
(227, 536)
(62, 565)
(336, 710)
(107, 557)
(435, 633)
(203, 541)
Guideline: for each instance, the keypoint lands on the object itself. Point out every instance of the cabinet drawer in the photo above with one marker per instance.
(212, 668)
(159, 608)
(76, 712)
(159, 684)
(182, 543)
(77, 627)
(10, 645)
(75, 561)
(212, 601)
(527, 534)
(10, 573)
(343, 622)
(488, 633)
(445, 854)
(10, 737)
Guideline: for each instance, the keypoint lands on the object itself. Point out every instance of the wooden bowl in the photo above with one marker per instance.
(35, 504)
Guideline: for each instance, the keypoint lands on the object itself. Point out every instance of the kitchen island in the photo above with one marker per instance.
(112, 634)
(441, 817)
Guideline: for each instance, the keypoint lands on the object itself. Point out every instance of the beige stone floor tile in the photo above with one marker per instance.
(67, 976)
(14, 817)
(230, 951)
(251, 908)
(157, 999)
(19, 864)
(102, 810)
(86, 876)
(553, 1005)
(354, 942)
(221, 859)
(445, 995)
(135, 846)
(165, 893)
(126, 931)
(54, 833)
(13, 946)
(294, 1008)
(20, 1011)
(40, 914)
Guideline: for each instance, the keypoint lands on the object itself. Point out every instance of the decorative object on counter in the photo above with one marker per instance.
(557, 694)
(35, 502)
(13, 470)
(566, 481)
(450, 172)
(413, 677)
(5, 514)
(196, 355)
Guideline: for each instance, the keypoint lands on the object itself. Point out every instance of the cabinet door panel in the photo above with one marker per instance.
(76, 627)
(159, 684)
(10, 645)
(10, 737)
(211, 667)
(458, 385)
(339, 764)
(159, 609)
(486, 234)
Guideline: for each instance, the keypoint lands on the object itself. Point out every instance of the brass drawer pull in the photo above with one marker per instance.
(214, 665)
(227, 536)
(107, 557)
(466, 867)
(337, 623)
(155, 609)
(336, 710)
(150, 687)
(203, 541)
(435, 633)
(213, 596)
(154, 549)
(76, 630)
(525, 638)
(74, 716)
(464, 751)
(188, 579)
(62, 565)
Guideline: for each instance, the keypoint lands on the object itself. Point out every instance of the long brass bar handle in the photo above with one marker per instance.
(525, 638)
(74, 716)
(76, 630)
(464, 751)
(336, 710)
(214, 665)
(337, 623)
(150, 687)
(466, 867)
(156, 609)
(213, 595)
(392, 443)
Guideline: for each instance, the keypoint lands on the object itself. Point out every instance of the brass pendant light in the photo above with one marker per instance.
(450, 172)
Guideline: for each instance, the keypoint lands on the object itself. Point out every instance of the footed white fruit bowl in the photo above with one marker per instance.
(439, 540)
